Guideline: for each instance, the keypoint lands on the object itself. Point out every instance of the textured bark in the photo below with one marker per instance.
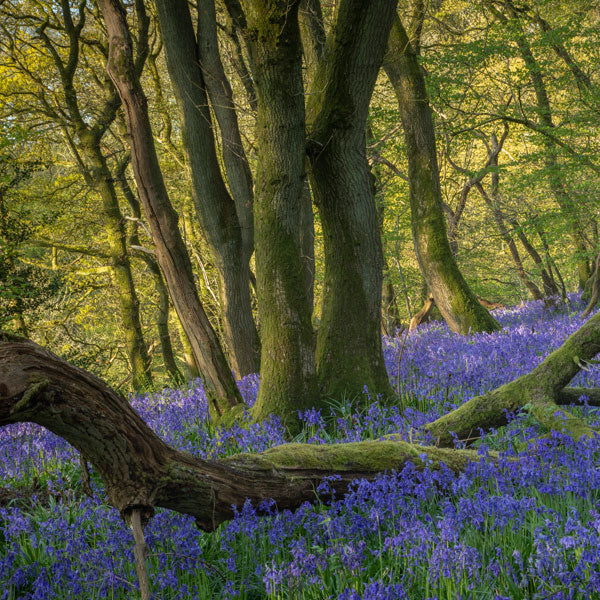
(140, 472)
(348, 353)
(226, 219)
(454, 298)
(171, 253)
(287, 367)
(100, 179)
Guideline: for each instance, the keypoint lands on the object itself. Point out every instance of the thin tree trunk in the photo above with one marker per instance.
(100, 179)
(221, 390)
(595, 288)
(162, 315)
(194, 66)
(454, 298)
(535, 292)
(556, 177)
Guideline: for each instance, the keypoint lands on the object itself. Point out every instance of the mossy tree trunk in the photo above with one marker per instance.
(162, 314)
(194, 66)
(141, 472)
(541, 392)
(84, 139)
(348, 352)
(454, 298)
(100, 179)
(287, 366)
(221, 390)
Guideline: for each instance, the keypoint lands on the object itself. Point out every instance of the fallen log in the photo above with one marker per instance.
(141, 472)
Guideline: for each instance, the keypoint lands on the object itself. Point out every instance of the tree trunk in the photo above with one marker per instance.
(219, 385)
(195, 65)
(287, 366)
(140, 472)
(556, 178)
(454, 298)
(100, 179)
(349, 353)
(494, 207)
(162, 316)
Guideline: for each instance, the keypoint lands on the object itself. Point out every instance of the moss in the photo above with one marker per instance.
(357, 457)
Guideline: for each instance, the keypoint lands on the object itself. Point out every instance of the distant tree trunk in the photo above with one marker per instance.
(550, 288)
(195, 67)
(98, 176)
(191, 367)
(556, 178)
(454, 298)
(349, 353)
(162, 318)
(287, 368)
(390, 315)
(595, 293)
(535, 292)
(221, 390)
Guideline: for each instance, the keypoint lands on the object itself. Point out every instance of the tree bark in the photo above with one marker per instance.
(162, 316)
(220, 387)
(348, 352)
(454, 298)
(287, 366)
(194, 66)
(140, 472)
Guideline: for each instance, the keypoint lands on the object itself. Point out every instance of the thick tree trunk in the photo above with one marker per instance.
(540, 392)
(226, 221)
(349, 354)
(220, 387)
(141, 472)
(287, 366)
(454, 298)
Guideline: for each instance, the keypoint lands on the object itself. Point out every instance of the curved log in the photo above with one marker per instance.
(140, 471)
(539, 391)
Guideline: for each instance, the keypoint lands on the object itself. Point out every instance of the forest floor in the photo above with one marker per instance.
(527, 527)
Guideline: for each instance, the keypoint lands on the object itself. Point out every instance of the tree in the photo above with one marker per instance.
(84, 134)
(196, 73)
(141, 472)
(171, 253)
(457, 303)
(348, 353)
